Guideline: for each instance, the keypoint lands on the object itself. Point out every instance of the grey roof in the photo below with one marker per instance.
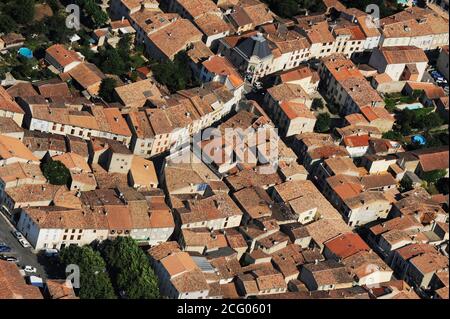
(203, 264)
(256, 45)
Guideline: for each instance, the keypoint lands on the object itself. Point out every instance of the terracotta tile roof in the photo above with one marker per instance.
(255, 201)
(430, 262)
(63, 56)
(8, 125)
(342, 165)
(163, 250)
(175, 37)
(13, 284)
(13, 148)
(346, 245)
(306, 197)
(328, 151)
(73, 162)
(203, 237)
(197, 8)
(87, 75)
(375, 113)
(178, 263)
(297, 74)
(120, 24)
(364, 263)
(211, 24)
(137, 93)
(383, 78)
(318, 32)
(54, 217)
(434, 160)
(258, 12)
(341, 68)
(345, 186)
(221, 66)
(60, 289)
(377, 181)
(210, 208)
(403, 54)
(329, 273)
(248, 178)
(295, 110)
(53, 88)
(287, 91)
(365, 198)
(356, 141)
(356, 118)
(21, 89)
(143, 172)
(269, 279)
(431, 90)
(7, 102)
(413, 22)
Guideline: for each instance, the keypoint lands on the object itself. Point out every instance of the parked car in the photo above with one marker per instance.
(437, 76)
(30, 269)
(17, 234)
(5, 249)
(24, 243)
(9, 258)
(51, 252)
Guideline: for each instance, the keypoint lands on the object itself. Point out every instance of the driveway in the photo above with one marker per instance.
(25, 255)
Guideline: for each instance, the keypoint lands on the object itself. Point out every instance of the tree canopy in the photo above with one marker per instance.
(107, 89)
(323, 123)
(433, 176)
(290, 8)
(56, 173)
(177, 74)
(129, 269)
(424, 119)
(21, 11)
(97, 17)
(94, 280)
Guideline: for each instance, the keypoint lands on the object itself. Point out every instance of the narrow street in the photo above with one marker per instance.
(26, 256)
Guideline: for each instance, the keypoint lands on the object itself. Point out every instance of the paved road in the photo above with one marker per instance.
(25, 255)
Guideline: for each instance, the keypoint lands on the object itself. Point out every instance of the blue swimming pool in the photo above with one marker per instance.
(419, 139)
(25, 52)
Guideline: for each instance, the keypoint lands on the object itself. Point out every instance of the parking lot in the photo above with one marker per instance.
(25, 255)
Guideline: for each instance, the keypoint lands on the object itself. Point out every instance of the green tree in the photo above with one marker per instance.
(323, 123)
(22, 11)
(129, 268)
(431, 120)
(394, 136)
(434, 176)
(112, 62)
(107, 89)
(317, 104)
(55, 30)
(7, 24)
(176, 75)
(94, 280)
(56, 173)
